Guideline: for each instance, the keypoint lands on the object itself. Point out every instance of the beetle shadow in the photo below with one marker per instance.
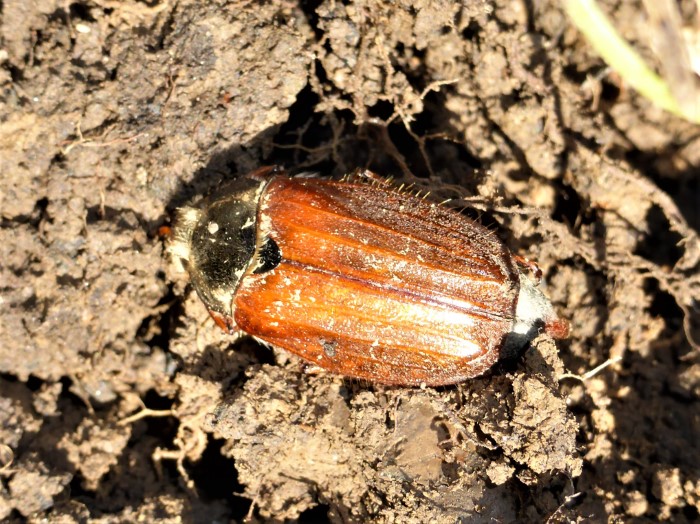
(335, 144)
(515, 345)
(224, 165)
(329, 143)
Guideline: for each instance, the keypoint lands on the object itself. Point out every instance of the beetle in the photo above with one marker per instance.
(359, 278)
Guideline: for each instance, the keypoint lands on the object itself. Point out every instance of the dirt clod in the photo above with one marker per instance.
(121, 401)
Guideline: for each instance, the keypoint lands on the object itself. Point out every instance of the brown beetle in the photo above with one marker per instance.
(359, 278)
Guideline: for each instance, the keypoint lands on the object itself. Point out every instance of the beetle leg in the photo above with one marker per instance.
(165, 232)
(265, 173)
(225, 323)
(531, 266)
(312, 369)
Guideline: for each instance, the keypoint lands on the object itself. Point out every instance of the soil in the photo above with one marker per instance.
(121, 401)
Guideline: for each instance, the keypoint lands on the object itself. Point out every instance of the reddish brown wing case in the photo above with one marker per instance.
(377, 284)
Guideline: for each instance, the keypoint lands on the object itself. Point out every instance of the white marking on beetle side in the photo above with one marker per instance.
(212, 227)
(533, 306)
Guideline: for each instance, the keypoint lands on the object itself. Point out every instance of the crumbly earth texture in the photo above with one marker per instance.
(121, 401)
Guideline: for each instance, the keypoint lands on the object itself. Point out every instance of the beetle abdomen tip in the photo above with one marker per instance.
(558, 328)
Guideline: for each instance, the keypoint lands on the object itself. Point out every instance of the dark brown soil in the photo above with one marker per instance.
(120, 400)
